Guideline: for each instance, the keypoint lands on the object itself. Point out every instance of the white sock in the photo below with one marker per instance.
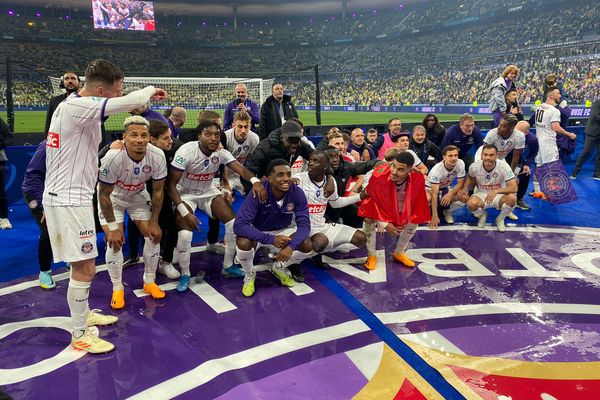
(369, 230)
(246, 258)
(296, 258)
(150, 254)
(114, 264)
(184, 249)
(405, 237)
(506, 209)
(77, 298)
(478, 213)
(536, 186)
(229, 244)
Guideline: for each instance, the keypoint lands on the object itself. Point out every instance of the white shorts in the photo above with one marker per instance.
(495, 203)
(337, 234)
(202, 202)
(547, 153)
(137, 207)
(72, 233)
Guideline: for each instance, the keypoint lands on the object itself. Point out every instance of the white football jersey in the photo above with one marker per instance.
(317, 202)
(545, 115)
(72, 145)
(515, 141)
(299, 165)
(72, 151)
(240, 151)
(440, 175)
(198, 168)
(417, 159)
(494, 179)
(128, 176)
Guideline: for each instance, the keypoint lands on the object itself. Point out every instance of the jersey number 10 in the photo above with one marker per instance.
(539, 116)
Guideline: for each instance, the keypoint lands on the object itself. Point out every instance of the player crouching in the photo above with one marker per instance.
(496, 187)
(397, 202)
(326, 237)
(122, 187)
(270, 224)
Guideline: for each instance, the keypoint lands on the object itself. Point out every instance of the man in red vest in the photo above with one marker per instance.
(397, 204)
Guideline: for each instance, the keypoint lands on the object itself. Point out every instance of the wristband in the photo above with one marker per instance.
(182, 209)
(254, 180)
(113, 226)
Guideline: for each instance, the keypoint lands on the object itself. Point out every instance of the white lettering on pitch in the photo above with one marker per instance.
(377, 275)
(585, 262)
(459, 257)
(533, 269)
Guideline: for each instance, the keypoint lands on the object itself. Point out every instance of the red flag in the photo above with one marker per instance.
(382, 203)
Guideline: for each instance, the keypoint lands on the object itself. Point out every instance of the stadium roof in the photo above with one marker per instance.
(247, 8)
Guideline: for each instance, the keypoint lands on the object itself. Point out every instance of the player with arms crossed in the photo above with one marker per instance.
(439, 189)
(496, 187)
(71, 175)
(191, 186)
(122, 187)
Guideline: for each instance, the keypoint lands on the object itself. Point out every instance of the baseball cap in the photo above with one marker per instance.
(291, 129)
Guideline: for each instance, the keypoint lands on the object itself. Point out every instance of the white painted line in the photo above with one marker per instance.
(300, 289)
(165, 287)
(213, 298)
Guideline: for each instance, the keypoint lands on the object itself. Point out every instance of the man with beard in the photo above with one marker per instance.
(241, 104)
(70, 83)
(439, 189)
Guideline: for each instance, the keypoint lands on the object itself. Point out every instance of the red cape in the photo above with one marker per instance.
(382, 203)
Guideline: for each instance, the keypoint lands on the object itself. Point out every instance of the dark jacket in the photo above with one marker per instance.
(270, 118)
(592, 129)
(271, 148)
(436, 134)
(6, 139)
(426, 149)
(348, 169)
(54, 102)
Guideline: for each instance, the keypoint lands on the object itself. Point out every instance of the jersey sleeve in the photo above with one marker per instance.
(226, 157)
(159, 172)
(489, 138)
(508, 173)
(181, 159)
(554, 115)
(433, 177)
(460, 169)
(519, 141)
(87, 110)
(108, 168)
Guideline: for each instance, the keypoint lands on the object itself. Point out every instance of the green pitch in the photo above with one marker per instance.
(33, 121)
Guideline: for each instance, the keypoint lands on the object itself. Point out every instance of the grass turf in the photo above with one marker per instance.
(33, 121)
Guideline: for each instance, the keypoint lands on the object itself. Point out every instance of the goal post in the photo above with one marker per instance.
(193, 94)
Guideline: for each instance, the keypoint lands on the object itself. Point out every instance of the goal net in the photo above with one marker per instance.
(193, 94)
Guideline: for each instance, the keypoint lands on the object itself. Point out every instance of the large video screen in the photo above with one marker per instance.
(132, 15)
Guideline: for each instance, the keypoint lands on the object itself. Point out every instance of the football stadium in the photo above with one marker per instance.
(300, 199)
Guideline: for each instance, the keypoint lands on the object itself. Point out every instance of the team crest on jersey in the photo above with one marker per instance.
(136, 170)
(495, 175)
(290, 207)
(146, 169)
(215, 159)
(206, 162)
(87, 248)
(33, 204)
(246, 147)
(179, 160)
(318, 193)
(487, 177)
(509, 143)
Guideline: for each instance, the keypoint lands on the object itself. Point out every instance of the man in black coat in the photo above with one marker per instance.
(592, 139)
(70, 83)
(276, 109)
